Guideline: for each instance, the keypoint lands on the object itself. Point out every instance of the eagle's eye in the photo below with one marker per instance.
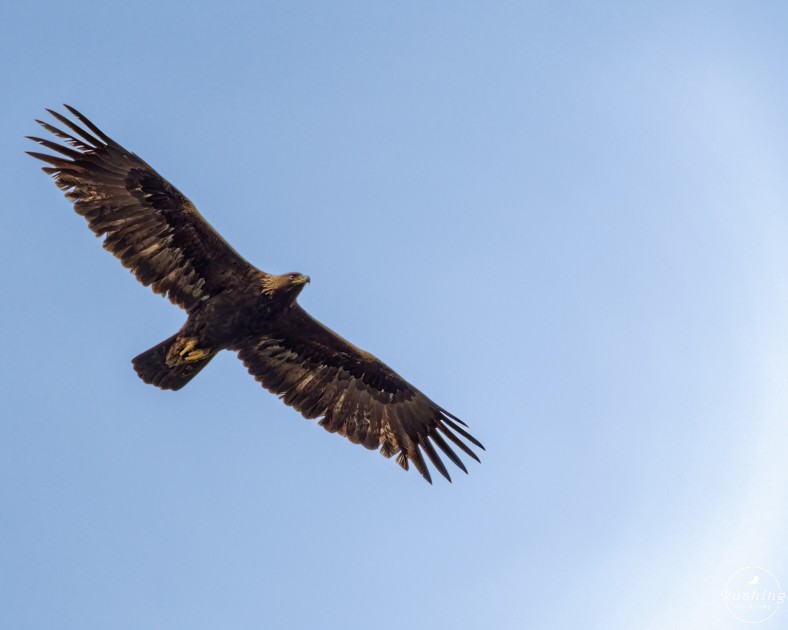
(293, 276)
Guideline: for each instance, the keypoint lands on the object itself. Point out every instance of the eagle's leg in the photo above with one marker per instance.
(173, 362)
(185, 350)
(195, 355)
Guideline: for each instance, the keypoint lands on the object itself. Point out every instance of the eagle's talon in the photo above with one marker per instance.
(190, 345)
(195, 355)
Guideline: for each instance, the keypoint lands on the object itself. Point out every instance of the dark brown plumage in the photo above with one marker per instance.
(157, 233)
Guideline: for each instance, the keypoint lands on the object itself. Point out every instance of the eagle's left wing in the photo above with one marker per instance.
(324, 376)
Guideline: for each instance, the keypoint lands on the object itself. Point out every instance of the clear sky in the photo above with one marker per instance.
(564, 221)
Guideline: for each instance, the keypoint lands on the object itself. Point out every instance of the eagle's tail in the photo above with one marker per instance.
(172, 363)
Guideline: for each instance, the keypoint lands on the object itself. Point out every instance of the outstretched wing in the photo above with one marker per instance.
(149, 224)
(321, 374)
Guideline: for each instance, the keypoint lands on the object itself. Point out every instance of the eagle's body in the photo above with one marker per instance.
(231, 305)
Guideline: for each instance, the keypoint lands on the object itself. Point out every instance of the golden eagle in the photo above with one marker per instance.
(157, 233)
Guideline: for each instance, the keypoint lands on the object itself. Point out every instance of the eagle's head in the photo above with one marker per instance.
(287, 285)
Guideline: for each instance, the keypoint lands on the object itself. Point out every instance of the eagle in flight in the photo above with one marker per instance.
(157, 233)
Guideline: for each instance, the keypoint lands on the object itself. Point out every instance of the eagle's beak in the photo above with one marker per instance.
(303, 280)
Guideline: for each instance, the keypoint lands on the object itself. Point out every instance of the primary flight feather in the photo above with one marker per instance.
(158, 234)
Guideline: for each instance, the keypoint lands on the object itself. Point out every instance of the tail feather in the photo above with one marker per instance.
(153, 368)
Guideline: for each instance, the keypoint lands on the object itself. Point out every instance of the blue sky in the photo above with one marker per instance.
(565, 222)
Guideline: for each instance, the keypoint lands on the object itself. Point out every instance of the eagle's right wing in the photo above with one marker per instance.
(149, 224)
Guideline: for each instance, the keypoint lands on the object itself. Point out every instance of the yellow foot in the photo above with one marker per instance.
(187, 347)
(186, 351)
(195, 355)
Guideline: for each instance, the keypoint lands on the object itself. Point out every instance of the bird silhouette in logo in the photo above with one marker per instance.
(754, 580)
